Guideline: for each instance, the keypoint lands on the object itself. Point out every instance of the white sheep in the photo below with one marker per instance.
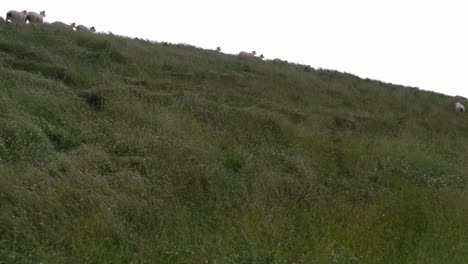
(61, 24)
(85, 29)
(247, 54)
(16, 17)
(459, 107)
(35, 17)
(276, 60)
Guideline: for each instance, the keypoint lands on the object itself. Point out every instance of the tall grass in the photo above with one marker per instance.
(114, 150)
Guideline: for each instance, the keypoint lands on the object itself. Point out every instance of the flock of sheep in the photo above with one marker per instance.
(38, 18)
(35, 18)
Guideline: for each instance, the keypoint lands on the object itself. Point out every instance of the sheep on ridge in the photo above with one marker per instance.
(459, 107)
(61, 24)
(16, 17)
(279, 61)
(247, 54)
(33, 17)
(85, 29)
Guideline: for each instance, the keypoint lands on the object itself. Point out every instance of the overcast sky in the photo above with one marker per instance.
(410, 42)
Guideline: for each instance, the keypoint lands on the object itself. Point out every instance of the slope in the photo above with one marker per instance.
(114, 150)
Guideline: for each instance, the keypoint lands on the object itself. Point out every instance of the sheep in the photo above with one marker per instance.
(247, 54)
(276, 60)
(35, 17)
(61, 24)
(459, 107)
(250, 55)
(16, 17)
(218, 49)
(85, 29)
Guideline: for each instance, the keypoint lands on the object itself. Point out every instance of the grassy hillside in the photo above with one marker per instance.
(115, 150)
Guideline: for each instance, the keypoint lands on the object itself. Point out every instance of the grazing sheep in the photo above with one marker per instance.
(61, 24)
(35, 17)
(247, 54)
(218, 49)
(276, 60)
(85, 29)
(250, 55)
(16, 17)
(459, 107)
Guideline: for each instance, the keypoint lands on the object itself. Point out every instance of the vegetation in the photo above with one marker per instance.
(115, 150)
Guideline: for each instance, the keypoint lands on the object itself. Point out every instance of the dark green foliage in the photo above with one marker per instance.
(95, 101)
(100, 50)
(46, 69)
(234, 162)
(115, 150)
(19, 50)
(21, 140)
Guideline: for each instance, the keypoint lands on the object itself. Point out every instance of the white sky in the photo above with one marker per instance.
(410, 42)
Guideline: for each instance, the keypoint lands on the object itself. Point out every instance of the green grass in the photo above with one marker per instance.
(114, 150)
